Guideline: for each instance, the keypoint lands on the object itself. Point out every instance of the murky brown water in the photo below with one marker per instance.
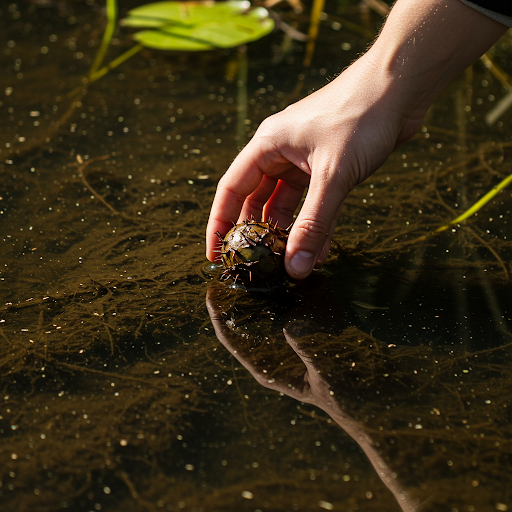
(131, 380)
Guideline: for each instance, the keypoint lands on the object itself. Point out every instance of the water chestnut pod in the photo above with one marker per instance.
(253, 253)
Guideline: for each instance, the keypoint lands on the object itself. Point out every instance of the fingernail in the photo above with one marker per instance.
(302, 263)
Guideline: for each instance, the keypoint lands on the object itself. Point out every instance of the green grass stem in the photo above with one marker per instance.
(478, 205)
(107, 37)
(116, 62)
(316, 11)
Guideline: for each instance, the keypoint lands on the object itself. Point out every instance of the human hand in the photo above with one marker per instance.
(326, 143)
(335, 138)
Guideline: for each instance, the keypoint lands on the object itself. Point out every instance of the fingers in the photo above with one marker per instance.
(240, 181)
(325, 249)
(268, 179)
(313, 229)
(282, 204)
(254, 203)
(249, 181)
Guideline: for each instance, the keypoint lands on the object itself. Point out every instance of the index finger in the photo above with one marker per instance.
(258, 158)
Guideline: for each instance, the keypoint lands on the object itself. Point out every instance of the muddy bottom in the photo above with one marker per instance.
(133, 380)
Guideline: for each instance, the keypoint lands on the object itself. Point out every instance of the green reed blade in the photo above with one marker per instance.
(478, 205)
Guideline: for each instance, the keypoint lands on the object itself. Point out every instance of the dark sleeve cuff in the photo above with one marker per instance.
(498, 10)
(499, 6)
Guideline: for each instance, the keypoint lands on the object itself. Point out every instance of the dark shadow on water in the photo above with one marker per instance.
(427, 415)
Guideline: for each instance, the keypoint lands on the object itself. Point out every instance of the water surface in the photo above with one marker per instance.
(132, 380)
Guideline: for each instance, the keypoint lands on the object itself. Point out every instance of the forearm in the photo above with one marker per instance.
(425, 44)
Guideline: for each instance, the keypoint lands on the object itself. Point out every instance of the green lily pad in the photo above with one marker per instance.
(160, 14)
(196, 26)
(160, 40)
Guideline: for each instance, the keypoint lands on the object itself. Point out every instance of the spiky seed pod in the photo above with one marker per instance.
(253, 253)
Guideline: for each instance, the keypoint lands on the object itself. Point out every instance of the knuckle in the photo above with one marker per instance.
(226, 184)
(270, 126)
(313, 229)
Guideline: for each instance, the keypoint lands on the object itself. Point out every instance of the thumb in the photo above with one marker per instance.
(312, 229)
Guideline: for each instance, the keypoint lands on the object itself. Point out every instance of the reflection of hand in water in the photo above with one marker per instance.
(312, 367)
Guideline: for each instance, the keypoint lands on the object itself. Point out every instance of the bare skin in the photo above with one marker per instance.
(338, 136)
